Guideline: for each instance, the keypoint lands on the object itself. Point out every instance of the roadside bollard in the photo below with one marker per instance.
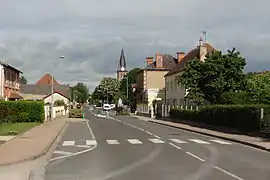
(83, 115)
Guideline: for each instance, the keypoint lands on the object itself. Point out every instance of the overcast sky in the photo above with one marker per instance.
(91, 33)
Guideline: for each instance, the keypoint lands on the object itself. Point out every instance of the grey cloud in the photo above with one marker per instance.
(91, 33)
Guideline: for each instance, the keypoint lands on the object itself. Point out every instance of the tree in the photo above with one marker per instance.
(132, 78)
(219, 73)
(107, 89)
(23, 80)
(258, 87)
(80, 93)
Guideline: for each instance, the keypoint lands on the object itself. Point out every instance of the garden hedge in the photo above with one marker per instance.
(242, 117)
(22, 111)
(76, 113)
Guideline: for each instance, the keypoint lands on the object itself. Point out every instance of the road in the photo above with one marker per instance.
(125, 148)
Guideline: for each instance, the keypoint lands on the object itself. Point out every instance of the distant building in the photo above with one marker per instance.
(42, 90)
(176, 93)
(150, 83)
(9, 82)
(122, 66)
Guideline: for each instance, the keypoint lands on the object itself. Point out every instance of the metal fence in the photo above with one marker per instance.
(161, 110)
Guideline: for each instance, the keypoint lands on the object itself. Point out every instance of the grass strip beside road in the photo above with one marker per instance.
(16, 128)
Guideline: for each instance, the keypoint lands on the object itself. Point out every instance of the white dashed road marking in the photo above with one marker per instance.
(91, 142)
(228, 173)
(68, 143)
(177, 147)
(134, 141)
(156, 141)
(112, 142)
(195, 156)
(220, 141)
(178, 141)
(199, 141)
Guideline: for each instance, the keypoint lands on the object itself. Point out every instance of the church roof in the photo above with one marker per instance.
(122, 61)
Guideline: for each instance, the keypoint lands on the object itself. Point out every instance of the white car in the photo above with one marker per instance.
(106, 107)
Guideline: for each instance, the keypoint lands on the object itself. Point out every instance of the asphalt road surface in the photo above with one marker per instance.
(125, 148)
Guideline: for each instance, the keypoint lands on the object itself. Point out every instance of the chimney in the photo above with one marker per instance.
(180, 56)
(149, 60)
(159, 60)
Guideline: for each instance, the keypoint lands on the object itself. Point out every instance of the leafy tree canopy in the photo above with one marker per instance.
(80, 93)
(219, 73)
(108, 87)
(259, 88)
(23, 80)
(131, 77)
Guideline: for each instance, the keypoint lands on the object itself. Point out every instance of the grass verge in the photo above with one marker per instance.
(16, 128)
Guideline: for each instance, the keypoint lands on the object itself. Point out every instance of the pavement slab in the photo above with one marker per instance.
(32, 144)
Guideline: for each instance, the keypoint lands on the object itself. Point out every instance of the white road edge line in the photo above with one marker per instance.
(90, 130)
(177, 147)
(80, 152)
(189, 153)
(228, 173)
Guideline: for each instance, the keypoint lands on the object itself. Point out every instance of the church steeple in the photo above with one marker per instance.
(122, 66)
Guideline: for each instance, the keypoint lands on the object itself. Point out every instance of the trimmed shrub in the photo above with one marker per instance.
(242, 117)
(240, 97)
(22, 111)
(76, 113)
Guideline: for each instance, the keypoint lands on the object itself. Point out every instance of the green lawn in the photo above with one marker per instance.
(18, 128)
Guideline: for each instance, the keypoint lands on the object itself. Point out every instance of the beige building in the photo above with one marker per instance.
(150, 83)
(175, 93)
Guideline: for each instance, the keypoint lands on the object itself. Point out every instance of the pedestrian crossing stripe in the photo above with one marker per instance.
(199, 141)
(156, 141)
(68, 143)
(89, 143)
(220, 142)
(134, 141)
(112, 142)
(178, 141)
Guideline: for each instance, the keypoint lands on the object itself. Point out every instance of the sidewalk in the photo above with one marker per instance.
(256, 142)
(31, 144)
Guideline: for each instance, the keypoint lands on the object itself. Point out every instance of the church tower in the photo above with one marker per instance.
(122, 66)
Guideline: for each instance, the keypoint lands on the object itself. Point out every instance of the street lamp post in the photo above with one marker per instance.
(52, 92)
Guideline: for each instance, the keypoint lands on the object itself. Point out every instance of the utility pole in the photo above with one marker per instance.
(127, 87)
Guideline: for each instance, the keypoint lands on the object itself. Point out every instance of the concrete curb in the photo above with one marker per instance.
(45, 150)
(217, 136)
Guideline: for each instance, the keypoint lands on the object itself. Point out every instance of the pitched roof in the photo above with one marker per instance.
(10, 67)
(47, 80)
(57, 93)
(192, 54)
(168, 62)
(122, 61)
(44, 89)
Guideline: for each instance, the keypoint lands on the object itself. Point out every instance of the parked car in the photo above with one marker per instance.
(106, 107)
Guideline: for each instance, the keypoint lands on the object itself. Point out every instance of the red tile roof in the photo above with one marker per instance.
(193, 54)
(47, 80)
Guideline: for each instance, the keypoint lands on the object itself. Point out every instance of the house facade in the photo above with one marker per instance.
(175, 92)
(150, 83)
(9, 82)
